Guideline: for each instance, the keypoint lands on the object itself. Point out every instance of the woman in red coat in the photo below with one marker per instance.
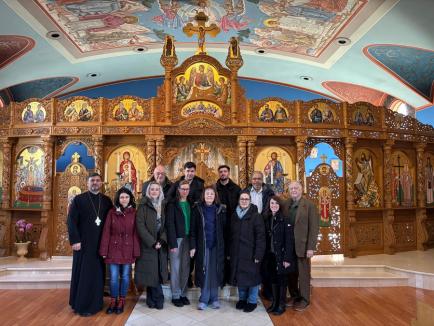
(120, 247)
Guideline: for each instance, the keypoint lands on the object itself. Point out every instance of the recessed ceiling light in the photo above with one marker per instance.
(343, 41)
(141, 49)
(54, 35)
(260, 51)
(93, 74)
(306, 78)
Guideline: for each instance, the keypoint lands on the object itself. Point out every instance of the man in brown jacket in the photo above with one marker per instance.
(303, 214)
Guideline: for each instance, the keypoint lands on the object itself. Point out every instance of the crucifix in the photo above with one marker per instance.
(400, 190)
(323, 158)
(201, 30)
(202, 151)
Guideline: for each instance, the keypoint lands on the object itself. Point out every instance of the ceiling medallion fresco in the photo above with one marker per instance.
(352, 93)
(300, 27)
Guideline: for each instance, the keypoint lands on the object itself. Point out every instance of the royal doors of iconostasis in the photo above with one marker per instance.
(324, 185)
(207, 153)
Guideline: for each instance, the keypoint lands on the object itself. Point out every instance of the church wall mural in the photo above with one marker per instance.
(277, 166)
(345, 155)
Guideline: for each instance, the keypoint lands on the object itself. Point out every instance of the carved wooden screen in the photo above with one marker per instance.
(68, 184)
(326, 189)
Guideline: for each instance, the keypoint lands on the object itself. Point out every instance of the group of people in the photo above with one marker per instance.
(247, 238)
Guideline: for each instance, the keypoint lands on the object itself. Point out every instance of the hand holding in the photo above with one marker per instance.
(192, 252)
(309, 254)
(157, 245)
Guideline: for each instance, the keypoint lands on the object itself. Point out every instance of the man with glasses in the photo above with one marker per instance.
(159, 176)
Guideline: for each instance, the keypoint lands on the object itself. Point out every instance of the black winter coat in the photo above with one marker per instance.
(282, 234)
(175, 223)
(197, 241)
(247, 244)
(195, 193)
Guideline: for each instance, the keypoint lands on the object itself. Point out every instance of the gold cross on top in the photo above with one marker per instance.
(201, 30)
(75, 157)
(202, 151)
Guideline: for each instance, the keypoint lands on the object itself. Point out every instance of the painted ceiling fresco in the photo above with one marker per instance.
(12, 47)
(413, 66)
(303, 27)
(355, 93)
(40, 88)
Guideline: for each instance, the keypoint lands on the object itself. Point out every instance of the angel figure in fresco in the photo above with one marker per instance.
(99, 23)
(28, 114)
(40, 113)
(429, 182)
(121, 113)
(273, 173)
(365, 185)
(267, 115)
(201, 78)
(85, 114)
(233, 19)
(280, 114)
(128, 173)
(221, 90)
(182, 89)
(170, 17)
(88, 7)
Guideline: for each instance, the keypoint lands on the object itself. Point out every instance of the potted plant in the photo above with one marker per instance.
(22, 238)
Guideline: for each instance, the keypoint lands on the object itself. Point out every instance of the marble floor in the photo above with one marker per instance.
(227, 315)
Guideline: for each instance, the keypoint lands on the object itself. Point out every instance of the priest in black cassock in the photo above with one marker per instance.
(86, 218)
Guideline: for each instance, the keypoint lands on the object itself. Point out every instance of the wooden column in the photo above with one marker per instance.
(388, 214)
(98, 150)
(5, 215)
(421, 231)
(159, 150)
(47, 212)
(350, 248)
(234, 100)
(150, 156)
(300, 141)
(242, 161)
(251, 145)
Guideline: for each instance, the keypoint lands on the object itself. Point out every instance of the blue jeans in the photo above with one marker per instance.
(124, 270)
(249, 294)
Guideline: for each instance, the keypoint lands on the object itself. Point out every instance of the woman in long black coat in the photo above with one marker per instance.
(280, 259)
(151, 268)
(246, 252)
(207, 239)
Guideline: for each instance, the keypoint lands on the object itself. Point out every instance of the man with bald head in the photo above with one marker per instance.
(159, 176)
(303, 215)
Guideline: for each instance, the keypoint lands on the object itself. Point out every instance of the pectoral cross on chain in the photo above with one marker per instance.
(98, 221)
(201, 30)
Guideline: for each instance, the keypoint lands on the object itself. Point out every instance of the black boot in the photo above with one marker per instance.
(274, 289)
(278, 308)
(112, 306)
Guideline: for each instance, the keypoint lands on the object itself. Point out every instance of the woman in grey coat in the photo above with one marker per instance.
(151, 267)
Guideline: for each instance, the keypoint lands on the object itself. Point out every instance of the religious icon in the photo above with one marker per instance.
(234, 48)
(201, 107)
(201, 30)
(78, 110)
(325, 206)
(429, 182)
(34, 112)
(363, 116)
(75, 169)
(335, 164)
(402, 181)
(29, 178)
(314, 152)
(128, 173)
(321, 113)
(273, 173)
(365, 186)
(169, 46)
(273, 111)
(128, 110)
